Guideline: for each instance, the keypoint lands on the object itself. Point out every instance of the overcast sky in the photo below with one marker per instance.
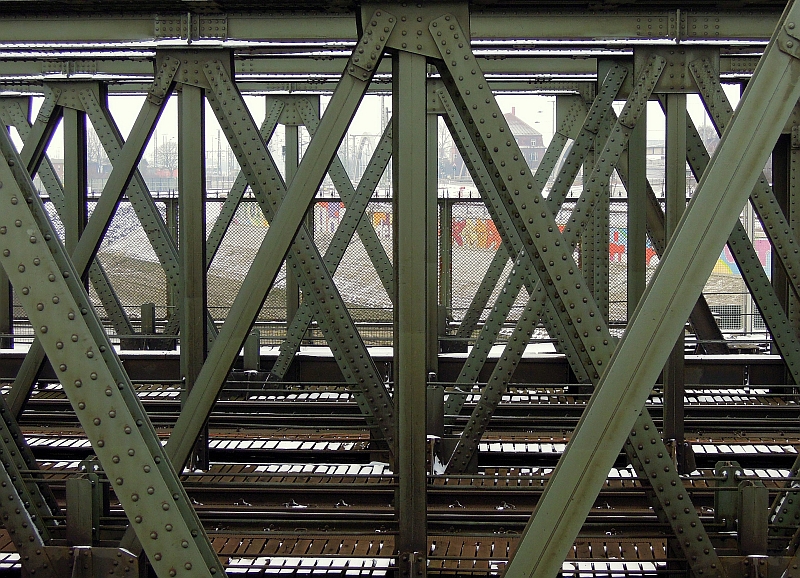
(537, 111)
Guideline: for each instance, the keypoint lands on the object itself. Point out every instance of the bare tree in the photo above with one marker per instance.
(168, 155)
(95, 152)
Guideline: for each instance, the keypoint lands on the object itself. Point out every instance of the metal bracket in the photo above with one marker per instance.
(368, 52)
(89, 561)
(411, 34)
(290, 115)
(191, 27)
(48, 106)
(676, 76)
(69, 67)
(789, 39)
(165, 68)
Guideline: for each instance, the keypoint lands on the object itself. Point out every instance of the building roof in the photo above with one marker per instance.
(518, 126)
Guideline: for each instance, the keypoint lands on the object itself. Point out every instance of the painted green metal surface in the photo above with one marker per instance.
(356, 202)
(192, 232)
(409, 157)
(754, 276)
(284, 224)
(660, 316)
(239, 187)
(551, 254)
(95, 382)
(567, 174)
(521, 272)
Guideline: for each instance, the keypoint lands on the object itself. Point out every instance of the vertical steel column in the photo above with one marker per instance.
(6, 312)
(409, 156)
(602, 215)
(675, 202)
(432, 247)
(781, 155)
(793, 210)
(172, 227)
(291, 160)
(192, 245)
(75, 183)
(446, 257)
(637, 213)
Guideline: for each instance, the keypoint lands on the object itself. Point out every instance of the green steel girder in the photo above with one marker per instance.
(95, 104)
(23, 528)
(561, 185)
(356, 202)
(22, 71)
(33, 151)
(92, 376)
(412, 210)
(662, 313)
(352, 197)
(285, 220)
(16, 116)
(586, 328)
(238, 189)
(126, 158)
(17, 456)
(13, 111)
(490, 398)
(594, 244)
(340, 332)
(193, 310)
(650, 21)
(773, 221)
(794, 206)
(755, 278)
(701, 318)
(338, 329)
(497, 266)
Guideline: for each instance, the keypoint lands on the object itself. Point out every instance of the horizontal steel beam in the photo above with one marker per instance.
(230, 29)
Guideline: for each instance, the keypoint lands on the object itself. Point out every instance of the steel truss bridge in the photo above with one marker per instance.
(659, 447)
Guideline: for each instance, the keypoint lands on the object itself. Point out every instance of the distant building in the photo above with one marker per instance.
(530, 141)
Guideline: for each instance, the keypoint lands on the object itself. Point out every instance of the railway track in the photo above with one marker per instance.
(474, 520)
(297, 486)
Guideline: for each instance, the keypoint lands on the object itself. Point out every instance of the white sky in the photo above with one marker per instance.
(537, 111)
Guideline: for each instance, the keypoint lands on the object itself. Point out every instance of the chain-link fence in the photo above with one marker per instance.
(137, 276)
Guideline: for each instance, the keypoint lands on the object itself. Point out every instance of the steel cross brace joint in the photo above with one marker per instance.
(551, 252)
(688, 260)
(95, 382)
(285, 219)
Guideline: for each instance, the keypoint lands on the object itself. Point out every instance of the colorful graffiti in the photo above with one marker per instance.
(481, 233)
(618, 248)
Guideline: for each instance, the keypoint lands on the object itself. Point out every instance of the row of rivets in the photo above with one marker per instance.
(62, 305)
(338, 329)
